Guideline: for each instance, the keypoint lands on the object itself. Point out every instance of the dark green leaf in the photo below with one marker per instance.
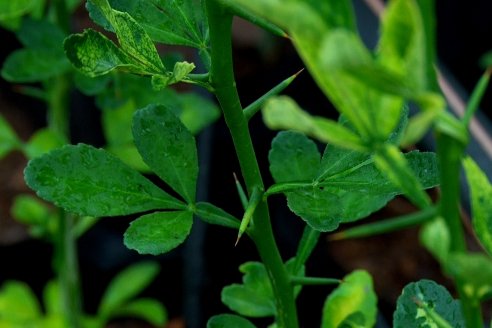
(293, 157)
(168, 22)
(168, 148)
(474, 270)
(18, 304)
(215, 215)
(228, 321)
(353, 300)
(158, 232)
(146, 309)
(481, 200)
(8, 138)
(346, 185)
(254, 298)
(409, 315)
(90, 181)
(42, 56)
(41, 35)
(126, 285)
(28, 65)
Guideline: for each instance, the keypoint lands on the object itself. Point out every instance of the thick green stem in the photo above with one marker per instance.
(450, 152)
(222, 80)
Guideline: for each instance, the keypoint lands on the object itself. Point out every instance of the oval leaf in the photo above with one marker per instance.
(168, 148)
(90, 181)
(159, 232)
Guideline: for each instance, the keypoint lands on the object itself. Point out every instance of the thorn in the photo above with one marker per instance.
(299, 72)
(237, 240)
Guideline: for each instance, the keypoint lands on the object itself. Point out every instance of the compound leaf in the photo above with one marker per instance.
(168, 148)
(90, 181)
(408, 313)
(345, 186)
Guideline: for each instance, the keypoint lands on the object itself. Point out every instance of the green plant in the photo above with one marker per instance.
(360, 170)
(20, 308)
(41, 70)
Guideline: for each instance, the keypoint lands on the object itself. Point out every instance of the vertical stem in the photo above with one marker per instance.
(222, 80)
(66, 262)
(67, 269)
(450, 152)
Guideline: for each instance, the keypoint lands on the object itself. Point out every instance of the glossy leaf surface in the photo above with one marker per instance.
(90, 181)
(481, 194)
(159, 232)
(229, 320)
(168, 148)
(126, 285)
(408, 314)
(341, 187)
(353, 301)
